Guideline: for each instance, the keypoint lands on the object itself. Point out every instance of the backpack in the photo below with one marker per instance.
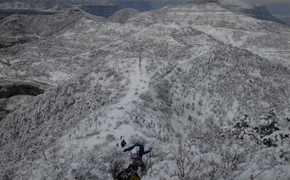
(128, 174)
(135, 153)
(123, 143)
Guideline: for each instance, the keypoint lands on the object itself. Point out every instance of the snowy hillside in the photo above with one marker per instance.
(206, 88)
(259, 12)
(44, 4)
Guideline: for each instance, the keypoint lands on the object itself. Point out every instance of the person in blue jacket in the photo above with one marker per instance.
(137, 151)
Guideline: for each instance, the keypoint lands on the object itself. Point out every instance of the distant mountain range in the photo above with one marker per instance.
(281, 11)
(107, 8)
(259, 12)
(51, 3)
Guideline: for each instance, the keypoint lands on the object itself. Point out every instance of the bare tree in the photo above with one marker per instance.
(188, 167)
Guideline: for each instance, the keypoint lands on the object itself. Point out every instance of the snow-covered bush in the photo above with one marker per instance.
(188, 165)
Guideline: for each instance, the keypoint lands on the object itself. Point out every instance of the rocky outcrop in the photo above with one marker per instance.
(9, 91)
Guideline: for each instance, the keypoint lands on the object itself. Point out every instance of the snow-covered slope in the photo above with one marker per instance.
(14, 5)
(24, 4)
(259, 12)
(196, 81)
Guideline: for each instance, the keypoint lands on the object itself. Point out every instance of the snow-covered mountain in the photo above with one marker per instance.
(259, 12)
(207, 88)
(281, 11)
(43, 7)
(24, 4)
(14, 5)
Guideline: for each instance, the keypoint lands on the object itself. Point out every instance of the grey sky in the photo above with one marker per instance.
(266, 1)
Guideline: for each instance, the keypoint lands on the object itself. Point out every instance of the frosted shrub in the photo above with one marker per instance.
(188, 167)
(83, 174)
(115, 162)
(116, 165)
(230, 165)
(110, 138)
(7, 175)
(163, 91)
(147, 96)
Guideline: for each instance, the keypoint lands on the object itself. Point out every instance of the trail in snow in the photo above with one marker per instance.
(107, 123)
(139, 82)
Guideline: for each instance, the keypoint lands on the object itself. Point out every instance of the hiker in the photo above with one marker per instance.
(137, 151)
(123, 143)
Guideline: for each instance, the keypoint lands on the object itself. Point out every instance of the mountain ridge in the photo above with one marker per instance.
(174, 77)
(106, 8)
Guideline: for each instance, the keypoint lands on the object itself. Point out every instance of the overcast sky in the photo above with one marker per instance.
(266, 1)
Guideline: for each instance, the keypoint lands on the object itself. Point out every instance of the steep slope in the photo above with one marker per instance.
(123, 15)
(281, 11)
(259, 12)
(178, 77)
(96, 7)
(20, 29)
(237, 30)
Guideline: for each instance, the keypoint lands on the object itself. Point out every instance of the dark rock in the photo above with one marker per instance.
(8, 12)
(7, 92)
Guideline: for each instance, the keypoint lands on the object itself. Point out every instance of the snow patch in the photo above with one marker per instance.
(233, 113)
(59, 76)
(138, 81)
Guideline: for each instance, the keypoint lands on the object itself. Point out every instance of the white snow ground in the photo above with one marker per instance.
(181, 78)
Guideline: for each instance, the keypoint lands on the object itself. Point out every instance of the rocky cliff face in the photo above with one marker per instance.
(9, 91)
(6, 92)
